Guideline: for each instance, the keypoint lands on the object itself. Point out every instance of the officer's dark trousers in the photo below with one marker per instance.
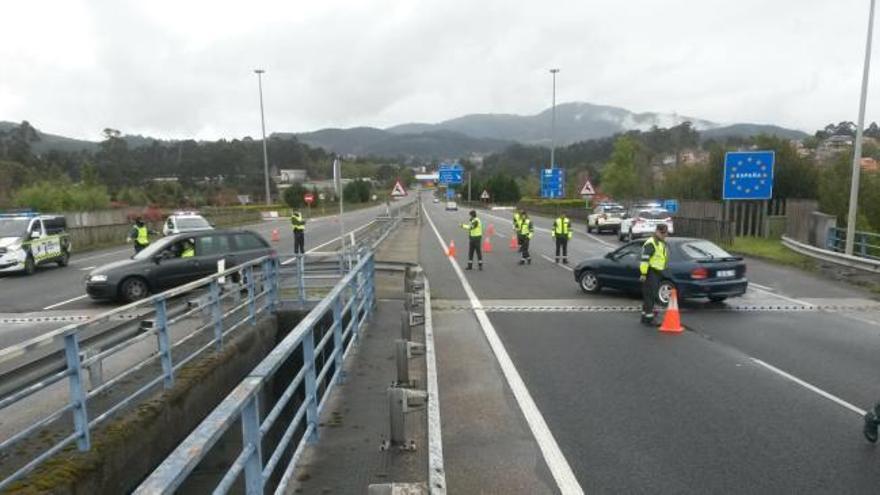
(299, 242)
(562, 245)
(649, 292)
(139, 247)
(524, 247)
(475, 246)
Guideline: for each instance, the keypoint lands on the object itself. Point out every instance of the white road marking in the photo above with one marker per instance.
(87, 268)
(62, 303)
(551, 260)
(763, 287)
(789, 299)
(553, 456)
(87, 258)
(811, 387)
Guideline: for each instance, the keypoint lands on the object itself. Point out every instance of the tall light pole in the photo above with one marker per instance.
(857, 152)
(553, 123)
(259, 73)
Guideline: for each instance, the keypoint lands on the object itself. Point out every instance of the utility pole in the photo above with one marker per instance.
(857, 152)
(553, 123)
(259, 73)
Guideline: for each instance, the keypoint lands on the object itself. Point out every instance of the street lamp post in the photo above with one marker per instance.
(553, 123)
(259, 73)
(857, 151)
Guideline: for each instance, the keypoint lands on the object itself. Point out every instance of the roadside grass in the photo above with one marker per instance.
(771, 250)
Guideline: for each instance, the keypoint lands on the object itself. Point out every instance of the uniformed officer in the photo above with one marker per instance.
(517, 224)
(562, 233)
(139, 234)
(526, 231)
(475, 238)
(655, 257)
(299, 232)
(188, 250)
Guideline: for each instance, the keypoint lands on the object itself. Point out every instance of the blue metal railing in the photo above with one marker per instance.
(866, 245)
(348, 306)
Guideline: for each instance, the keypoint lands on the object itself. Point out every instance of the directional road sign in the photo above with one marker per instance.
(450, 174)
(748, 175)
(671, 205)
(552, 183)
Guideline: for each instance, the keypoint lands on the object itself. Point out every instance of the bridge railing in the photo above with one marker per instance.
(145, 343)
(865, 245)
(317, 345)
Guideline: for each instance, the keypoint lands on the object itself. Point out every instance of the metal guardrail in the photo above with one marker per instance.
(349, 304)
(224, 307)
(857, 262)
(866, 245)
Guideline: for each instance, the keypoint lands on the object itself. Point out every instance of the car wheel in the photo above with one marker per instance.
(664, 291)
(30, 266)
(717, 299)
(65, 259)
(589, 229)
(133, 289)
(588, 282)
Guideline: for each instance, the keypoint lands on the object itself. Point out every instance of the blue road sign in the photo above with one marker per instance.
(552, 183)
(671, 205)
(450, 193)
(450, 174)
(748, 175)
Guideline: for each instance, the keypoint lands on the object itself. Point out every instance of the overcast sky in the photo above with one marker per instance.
(181, 68)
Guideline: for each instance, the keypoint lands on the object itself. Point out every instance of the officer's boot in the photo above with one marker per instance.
(470, 266)
(872, 420)
(522, 261)
(564, 261)
(481, 265)
(529, 260)
(557, 260)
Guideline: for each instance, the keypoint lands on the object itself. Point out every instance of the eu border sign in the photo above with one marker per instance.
(552, 183)
(748, 175)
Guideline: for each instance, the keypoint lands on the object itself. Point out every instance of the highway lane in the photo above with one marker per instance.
(56, 289)
(710, 410)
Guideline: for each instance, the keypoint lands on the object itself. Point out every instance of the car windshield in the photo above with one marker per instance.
(192, 223)
(654, 214)
(13, 227)
(153, 249)
(703, 250)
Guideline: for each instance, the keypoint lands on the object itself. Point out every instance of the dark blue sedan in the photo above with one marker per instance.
(697, 268)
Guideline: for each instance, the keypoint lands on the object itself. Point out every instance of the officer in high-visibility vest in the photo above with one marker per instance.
(299, 233)
(562, 233)
(526, 231)
(475, 237)
(655, 257)
(139, 234)
(188, 250)
(517, 223)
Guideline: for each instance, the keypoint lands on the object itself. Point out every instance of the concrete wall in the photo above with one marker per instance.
(127, 449)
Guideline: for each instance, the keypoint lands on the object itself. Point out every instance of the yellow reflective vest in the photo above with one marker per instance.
(474, 227)
(296, 220)
(526, 229)
(143, 235)
(562, 228)
(654, 256)
(516, 221)
(188, 252)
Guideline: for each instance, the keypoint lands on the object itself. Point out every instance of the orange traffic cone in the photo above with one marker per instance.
(672, 319)
(451, 251)
(514, 244)
(490, 231)
(276, 237)
(487, 245)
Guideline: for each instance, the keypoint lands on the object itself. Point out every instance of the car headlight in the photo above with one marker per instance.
(98, 278)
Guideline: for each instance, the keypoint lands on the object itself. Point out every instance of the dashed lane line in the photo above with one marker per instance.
(809, 386)
(559, 467)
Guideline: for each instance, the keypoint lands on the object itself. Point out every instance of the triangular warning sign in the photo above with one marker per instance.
(398, 190)
(588, 190)
(485, 194)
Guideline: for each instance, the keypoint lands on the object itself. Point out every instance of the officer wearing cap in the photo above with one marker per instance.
(655, 257)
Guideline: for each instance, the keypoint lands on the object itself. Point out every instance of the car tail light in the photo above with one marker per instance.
(699, 273)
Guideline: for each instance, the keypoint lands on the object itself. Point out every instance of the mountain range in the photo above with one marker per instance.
(476, 133)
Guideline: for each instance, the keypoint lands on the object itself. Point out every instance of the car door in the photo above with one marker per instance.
(622, 270)
(171, 270)
(248, 246)
(36, 237)
(211, 248)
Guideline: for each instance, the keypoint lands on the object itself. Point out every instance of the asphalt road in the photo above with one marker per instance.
(57, 290)
(742, 402)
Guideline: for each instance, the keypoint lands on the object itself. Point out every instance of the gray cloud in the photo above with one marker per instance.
(175, 69)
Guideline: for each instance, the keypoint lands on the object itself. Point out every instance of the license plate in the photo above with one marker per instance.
(725, 273)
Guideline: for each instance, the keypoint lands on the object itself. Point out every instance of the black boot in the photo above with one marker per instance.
(470, 266)
(529, 260)
(870, 428)
(522, 262)
(564, 261)
(557, 260)
(481, 266)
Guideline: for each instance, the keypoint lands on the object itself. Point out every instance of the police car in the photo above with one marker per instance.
(185, 221)
(29, 240)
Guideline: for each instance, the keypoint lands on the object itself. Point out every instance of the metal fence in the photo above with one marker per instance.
(157, 337)
(866, 245)
(320, 353)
